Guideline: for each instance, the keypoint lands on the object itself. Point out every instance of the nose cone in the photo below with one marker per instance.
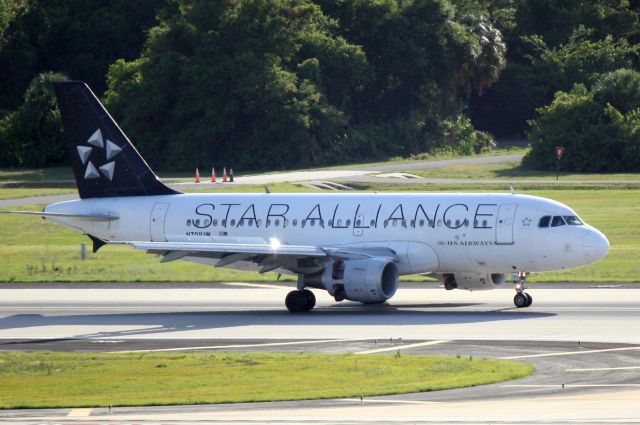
(595, 245)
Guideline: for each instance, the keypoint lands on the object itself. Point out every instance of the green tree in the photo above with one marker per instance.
(79, 38)
(256, 83)
(599, 128)
(32, 135)
(552, 46)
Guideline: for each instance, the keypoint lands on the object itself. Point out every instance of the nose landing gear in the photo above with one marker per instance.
(522, 299)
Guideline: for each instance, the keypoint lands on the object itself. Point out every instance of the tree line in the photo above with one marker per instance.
(266, 84)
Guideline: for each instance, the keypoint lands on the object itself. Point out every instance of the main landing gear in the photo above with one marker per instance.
(300, 300)
(522, 299)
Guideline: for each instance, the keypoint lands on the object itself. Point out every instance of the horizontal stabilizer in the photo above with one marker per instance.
(88, 217)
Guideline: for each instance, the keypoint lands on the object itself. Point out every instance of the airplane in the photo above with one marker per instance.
(354, 246)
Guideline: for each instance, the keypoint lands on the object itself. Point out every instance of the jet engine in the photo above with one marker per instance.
(373, 280)
(473, 281)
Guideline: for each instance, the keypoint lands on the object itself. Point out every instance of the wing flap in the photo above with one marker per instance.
(229, 248)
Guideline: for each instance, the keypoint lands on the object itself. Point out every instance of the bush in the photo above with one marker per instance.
(599, 128)
(32, 135)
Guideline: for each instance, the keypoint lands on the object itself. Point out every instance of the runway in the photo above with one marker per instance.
(584, 341)
(253, 311)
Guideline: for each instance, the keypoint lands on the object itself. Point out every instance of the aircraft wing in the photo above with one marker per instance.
(268, 255)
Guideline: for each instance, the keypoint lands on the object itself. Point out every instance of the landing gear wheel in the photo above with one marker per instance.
(311, 299)
(299, 301)
(529, 300)
(520, 300)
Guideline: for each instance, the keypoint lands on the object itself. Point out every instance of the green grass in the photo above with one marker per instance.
(14, 175)
(43, 380)
(37, 174)
(513, 170)
(25, 192)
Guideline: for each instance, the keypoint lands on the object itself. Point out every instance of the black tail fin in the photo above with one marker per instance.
(105, 163)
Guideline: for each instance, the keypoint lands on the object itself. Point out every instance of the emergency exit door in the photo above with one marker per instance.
(158, 215)
(504, 224)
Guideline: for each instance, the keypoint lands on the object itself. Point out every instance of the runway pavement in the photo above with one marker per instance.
(583, 336)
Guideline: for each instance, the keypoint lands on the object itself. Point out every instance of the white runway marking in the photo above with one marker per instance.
(570, 353)
(596, 369)
(573, 386)
(373, 400)
(404, 347)
(215, 347)
(79, 413)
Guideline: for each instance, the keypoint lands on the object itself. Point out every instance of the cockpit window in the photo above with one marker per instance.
(557, 221)
(572, 220)
(544, 221)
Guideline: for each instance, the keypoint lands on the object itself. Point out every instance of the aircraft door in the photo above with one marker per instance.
(158, 215)
(504, 224)
(357, 225)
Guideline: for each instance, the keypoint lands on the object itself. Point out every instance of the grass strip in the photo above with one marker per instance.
(48, 380)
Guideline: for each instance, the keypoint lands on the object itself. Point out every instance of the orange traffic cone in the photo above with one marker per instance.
(224, 174)
(230, 175)
(197, 176)
(213, 175)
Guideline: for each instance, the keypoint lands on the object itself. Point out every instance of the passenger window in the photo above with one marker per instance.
(573, 220)
(348, 223)
(421, 223)
(277, 222)
(295, 222)
(189, 222)
(544, 221)
(557, 221)
(373, 223)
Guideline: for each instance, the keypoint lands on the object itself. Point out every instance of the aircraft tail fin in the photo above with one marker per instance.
(105, 163)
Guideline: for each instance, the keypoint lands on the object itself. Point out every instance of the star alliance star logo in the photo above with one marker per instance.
(526, 222)
(111, 150)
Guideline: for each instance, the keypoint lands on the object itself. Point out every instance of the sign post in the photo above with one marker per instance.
(559, 153)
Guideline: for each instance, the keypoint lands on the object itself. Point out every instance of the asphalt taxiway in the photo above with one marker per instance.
(584, 341)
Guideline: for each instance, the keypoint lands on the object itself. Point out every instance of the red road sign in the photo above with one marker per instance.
(559, 152)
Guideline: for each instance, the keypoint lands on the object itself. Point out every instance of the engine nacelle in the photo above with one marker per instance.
(373, 280)
(473, 281)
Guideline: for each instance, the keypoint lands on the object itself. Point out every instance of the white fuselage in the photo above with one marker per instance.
(440, 233)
